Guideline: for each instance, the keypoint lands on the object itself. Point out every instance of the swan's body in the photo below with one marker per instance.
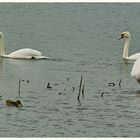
(25, 53)
(136, 70)
(127, 37)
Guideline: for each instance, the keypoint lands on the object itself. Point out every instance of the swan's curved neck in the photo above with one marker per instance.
(2, 52)
(126, 48)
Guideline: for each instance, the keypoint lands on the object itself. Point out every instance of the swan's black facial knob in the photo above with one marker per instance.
(122, 36)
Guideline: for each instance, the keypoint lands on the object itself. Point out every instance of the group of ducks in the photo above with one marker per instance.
(135, 72)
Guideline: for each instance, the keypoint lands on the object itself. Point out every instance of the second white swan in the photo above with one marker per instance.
(135, 72)
(127, 37)
(25, 53)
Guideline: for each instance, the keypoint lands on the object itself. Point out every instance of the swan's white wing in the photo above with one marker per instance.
(134, 56)
(26, 53)
(136, 70)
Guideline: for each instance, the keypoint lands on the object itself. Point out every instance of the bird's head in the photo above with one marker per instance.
(18, 103)
(124, 35)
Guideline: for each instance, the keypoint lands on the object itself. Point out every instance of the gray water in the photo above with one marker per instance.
(81, 40)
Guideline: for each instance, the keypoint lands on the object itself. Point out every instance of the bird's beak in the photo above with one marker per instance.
(21, 105)
(122, 36)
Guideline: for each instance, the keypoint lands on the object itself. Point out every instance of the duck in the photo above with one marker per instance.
(126, 35)
(48, 86)
(14, 103)
(25, 53)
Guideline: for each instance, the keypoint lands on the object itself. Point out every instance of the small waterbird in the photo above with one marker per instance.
(14, 103)
(48, 86)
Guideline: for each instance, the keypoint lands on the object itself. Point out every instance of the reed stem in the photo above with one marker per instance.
(83, 90)
(19, 85)
(80, 88)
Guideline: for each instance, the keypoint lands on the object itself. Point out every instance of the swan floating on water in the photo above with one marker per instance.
(25, 53)
(127, 37)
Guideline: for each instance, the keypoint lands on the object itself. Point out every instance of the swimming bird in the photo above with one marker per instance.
(14, 103)
(48, 86)
(135, 72)
(127, 37)
(26, 53)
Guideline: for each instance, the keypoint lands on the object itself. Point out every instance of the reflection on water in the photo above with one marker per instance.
(126, 68)
(136, 96)
(1, 64)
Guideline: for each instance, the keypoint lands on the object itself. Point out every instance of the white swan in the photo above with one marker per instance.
(25, 53)
(135, 72)
(127, 37)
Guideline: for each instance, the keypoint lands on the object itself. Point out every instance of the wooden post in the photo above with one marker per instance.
(83, 89)
(80, 88)
(19, 85)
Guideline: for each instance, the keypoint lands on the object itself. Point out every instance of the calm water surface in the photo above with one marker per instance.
(80, 39)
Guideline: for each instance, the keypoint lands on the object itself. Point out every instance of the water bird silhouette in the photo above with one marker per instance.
(26, 53)
(48, 86)
(127, 37)
(14, 103)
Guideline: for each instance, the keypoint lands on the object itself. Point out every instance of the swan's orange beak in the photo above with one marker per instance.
(122, 36)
